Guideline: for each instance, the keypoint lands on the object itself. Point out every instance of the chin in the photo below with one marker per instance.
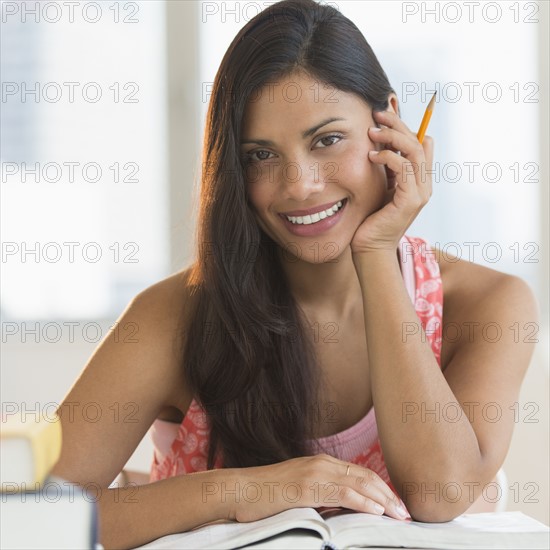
(314, 251)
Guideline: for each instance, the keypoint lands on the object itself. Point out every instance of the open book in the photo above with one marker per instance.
(305, 528)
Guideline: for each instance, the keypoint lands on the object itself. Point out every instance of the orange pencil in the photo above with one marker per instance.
(426, 119)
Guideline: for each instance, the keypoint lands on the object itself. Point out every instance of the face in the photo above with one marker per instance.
(308, 179)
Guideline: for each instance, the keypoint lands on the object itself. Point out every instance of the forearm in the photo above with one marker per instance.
(420, 450)
(135, 515)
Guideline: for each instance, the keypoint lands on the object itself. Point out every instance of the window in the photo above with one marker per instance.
(84, 179)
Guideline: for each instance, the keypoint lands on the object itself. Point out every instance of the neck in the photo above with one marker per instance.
(331, 289)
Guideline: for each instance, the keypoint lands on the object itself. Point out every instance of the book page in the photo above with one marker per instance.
(293, 539)
(226, 535)
(485, 530)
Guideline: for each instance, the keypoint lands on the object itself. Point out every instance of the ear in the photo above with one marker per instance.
(393, 104)
(393, 107)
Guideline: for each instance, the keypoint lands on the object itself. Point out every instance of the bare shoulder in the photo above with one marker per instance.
(165, 299)
(473, 291)
(166, 305)
(135, 372)
(490, 325)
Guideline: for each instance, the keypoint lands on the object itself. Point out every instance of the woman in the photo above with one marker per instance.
(307, 310)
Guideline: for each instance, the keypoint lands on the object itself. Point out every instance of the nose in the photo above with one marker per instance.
(300, 180)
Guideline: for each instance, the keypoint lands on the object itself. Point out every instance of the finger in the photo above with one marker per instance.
(350, 471)
(380, 493)
(381, 146)
(392, 120)
(371, 485)
(405, 170)
(408, 145)
(428, 146)
(348, 497)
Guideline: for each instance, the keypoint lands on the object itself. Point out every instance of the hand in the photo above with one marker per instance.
(413, 184)
(308, 482)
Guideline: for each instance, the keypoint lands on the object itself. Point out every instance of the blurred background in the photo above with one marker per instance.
(102, 119)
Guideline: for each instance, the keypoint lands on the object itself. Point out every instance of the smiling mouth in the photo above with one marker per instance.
(317, 216)
(310, 211)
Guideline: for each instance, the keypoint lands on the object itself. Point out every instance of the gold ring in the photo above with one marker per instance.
(347, 471)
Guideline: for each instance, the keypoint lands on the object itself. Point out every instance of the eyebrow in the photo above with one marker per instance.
(305, 134)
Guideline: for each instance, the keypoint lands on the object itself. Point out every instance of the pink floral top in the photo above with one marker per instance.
(183, 448)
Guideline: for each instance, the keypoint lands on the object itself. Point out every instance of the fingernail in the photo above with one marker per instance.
(379, 508)
(401, 511)
(375, 129)
(373, 152)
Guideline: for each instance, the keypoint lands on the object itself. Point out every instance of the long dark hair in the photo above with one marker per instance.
(247, 354)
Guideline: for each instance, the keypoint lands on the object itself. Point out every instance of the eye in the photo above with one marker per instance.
(248, 157)
(339, 136)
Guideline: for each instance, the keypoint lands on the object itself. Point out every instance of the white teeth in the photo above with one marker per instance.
(314, 218)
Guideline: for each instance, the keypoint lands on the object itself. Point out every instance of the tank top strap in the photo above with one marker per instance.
(428, 302)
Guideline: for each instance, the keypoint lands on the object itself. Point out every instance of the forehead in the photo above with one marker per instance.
(298, 98)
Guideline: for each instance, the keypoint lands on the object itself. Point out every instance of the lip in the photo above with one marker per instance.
(313, 210)
(317, 228)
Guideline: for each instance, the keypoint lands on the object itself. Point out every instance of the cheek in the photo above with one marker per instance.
(259, 197)
(358, 173)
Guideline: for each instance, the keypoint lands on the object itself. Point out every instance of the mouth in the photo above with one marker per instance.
(314, 223)
(314, 215)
